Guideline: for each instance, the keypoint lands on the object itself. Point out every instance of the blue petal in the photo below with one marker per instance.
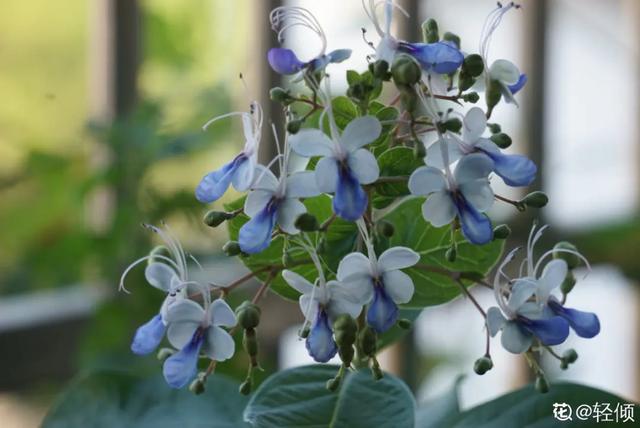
(515, 170)
(148, 336)
(181, 367)
(320, 343)
(515, 88)
(350, 201)
(551, 331)
(440, 57)
(476, 227)
(213, 185)
(383, 312)
(255, 235)
(339, 55)
(284, 61)
(585, 324)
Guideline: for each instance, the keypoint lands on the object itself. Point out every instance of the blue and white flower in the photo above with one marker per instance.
(192, 330)
(515, 170)
(239, 171)
(466, 194)
(285, 61)
(345, 165)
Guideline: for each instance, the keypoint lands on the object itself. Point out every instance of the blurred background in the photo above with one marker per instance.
(100, 130)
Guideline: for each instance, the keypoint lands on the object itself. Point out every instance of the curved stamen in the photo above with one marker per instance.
(490, 25)
(222, 116)
(562, 250)
(497, 287)
(121, 286)
(297, 17)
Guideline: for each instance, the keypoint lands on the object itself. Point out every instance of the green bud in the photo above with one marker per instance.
(430, 31)
(385, 228)
(473, 65)
(380, 69)
(494, 128)
(215, 218)
(568, 283)
(280, 95)
(564, 364)
(409, 99)
(231, 248)
(536, 199)
(501, 140)
(573, 261)
(250, 342)
(454, 124)
(248, 314)
(245, 387)
(158, 250)
(493, 94)
(404, 323)
(453, 38)
(451, 254)
(471, 97)
(502, 231)
(304, 332)
(465, 80)
(346, 354)
(406, 70)
(542, 385)
(483, 365)
(307, 222)
(333, 384)
(367, 340)
(570, 355)
(294, 126)
(197, 386)
(164, 353)
(345, 323)
(419, 151)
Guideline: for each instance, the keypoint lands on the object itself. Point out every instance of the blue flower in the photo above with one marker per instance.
(515, 88)
(383, 312)
(148, 336)
(181, 367)
(438, 57)
(585, 324)
(320, 343)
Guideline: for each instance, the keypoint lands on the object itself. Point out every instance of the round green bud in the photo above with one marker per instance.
(404, 323)
(542, 385)
(346, 354)
(380, 69)
(250, 342)
(419, 151)
(215, 218)
(385, 228)
(197, 386)
(471, 97)
(430, 31)
(570, 355)
(406, 70)
(367, 340)
(333, 384)
(473, 65)
(453, 38)
(502, 231)
(307, 222)
(568, 283)
(573, 261)
(164, 353)
(493, 94)
(536, 199)
(465, 80)
(245, 387)
(344, 338)
(454, 124)
(158, 250)
(501, 140)
(494, 128)
(232, 248)
(293, 126)
(280, 95)
(248, 315)
(483, 365)
(451, 254)
(345, 323)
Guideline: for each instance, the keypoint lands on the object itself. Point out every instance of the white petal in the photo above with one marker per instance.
(397, 258)
(478, 193)
(439, 209)
(185, 311)
(474, 124)
(364, 166)
(242, 178)
(552, 276)
(296, 163)
(487, 145)
(360, 131)
(302, 185)
(504, 71)
(160, 275)
(495, 320)
(522, 289)
(181, 333)
(426, 180)
(353, 263)
(311, 142)
(219, 344)
(437, 83)
(327, 175)
(434, 152)
(247, 126)
(256, 201)
(297, 282)
(264, 179)
(473, 167)
(342, 301)
(222, 314)
(288, 212)
(360, 286)
(514, 340)
(398, 285)
(308, 307)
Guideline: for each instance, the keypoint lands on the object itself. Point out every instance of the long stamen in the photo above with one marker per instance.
(497, 288)
(181, 259)
(121, 286)
(173, 248)
(561, 250)
(285, 17)
(222, 116)
(491, 24)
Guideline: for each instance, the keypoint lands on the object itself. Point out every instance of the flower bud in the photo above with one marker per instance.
(215, 218)
(502, 231)
(250, 342)
(568, 283)
(158, 250)
(385, 228)
(304, 332)
(493, 94)
(293, 126)
(465, 80)
(451, 254)
(232, 248)
(245, 387)
(573, 261)
(454, 125)
(197, 386)
(380, 69)
(404, 323)
(570, 355)
(333, 384)
(471, 97)
(408, 99)
(501, 140)
(367, 340)
(494, 128)
(307, 222)
(483, 365)
(164, 353)
(542, 385)
(419, 151)
(453, 38)
(346, 354)
(430, 31)
(280, 95)
(344, 322)
(473, 65)
(248, 315)
(536, 199)
(564, 364)
(405, 70)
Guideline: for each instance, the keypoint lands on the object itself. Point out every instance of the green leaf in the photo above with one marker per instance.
(411, 230)
(109, 399)
(433, 413)
(298, 398)
(352, 77)
(344, 111)
(533, 409)
(394, 162)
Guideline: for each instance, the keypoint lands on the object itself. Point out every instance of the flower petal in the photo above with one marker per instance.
(434, 152)
(521, 291)
(181, 367)
(552, 276)
(383, 312)
(495, 320)
(256, 201)
(350, 200)
(180, 333)
(185, 310)
(473, 167)
(551, 331)
(515, 88)
(221, 314)
(360, 286)
(320, 343)
(284, 61)
(478, 193)
(353, 263)
(515, 339)
(339, 55)
(360, 132)
(505, 72)
(242, 177)
(476, 227)
(439, 209)
(426, 180)
(364, 166)
(148, 336)
(343, 301)
(308, 307)
(302, 185)
(397, 258)
(585, 324)
(255, 235)
(399, 286)
(439, 57)
(219, 344)
(264, 179)
(327, 174)
(474, 124)
(311, 142)
(297, 282)
(288, 212)
(215, 184)
(160, 275)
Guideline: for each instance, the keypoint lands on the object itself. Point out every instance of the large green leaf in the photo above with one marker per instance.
(394, 162)
(411, 230)
(431, 414)
(298, 398)
(109, 399)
